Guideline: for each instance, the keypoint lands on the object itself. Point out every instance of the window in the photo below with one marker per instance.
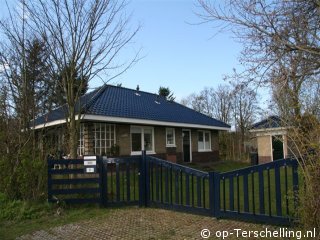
(142, 138)
(204, 141)
(104, 138)
(170, 137)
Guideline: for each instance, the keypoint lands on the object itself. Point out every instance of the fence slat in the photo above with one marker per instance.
(261, 192)
(75, 191)
(245, 193)
(176, 187)
(199, 191)
(253, 195)
(187, 190)
(167, 185)
(231, 194)
(157, 183)
(117, 182)
(269, 192)
(278, 191)
(128, 181)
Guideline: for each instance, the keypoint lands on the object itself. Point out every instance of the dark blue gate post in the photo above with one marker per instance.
(211, 193)
(216, 193)
(146, 179)
(142, 180)
(104, 178)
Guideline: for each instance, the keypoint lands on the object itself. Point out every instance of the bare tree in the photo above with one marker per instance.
(213, 102)
(222, 103)
(281, 43)
(84, 38)
(281, 49)
(245, 108)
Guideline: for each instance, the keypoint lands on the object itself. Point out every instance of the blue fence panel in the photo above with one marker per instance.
(259, 188)
(177, 187)
(266, 193)
(68, 182)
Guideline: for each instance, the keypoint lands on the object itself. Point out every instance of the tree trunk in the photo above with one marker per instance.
(73, 140)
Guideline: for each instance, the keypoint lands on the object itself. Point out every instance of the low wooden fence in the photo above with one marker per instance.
(67, 182)
(264, 193)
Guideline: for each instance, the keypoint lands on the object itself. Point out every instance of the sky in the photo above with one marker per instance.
(177, 52)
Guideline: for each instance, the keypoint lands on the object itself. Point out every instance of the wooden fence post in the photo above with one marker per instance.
(102, 181)
(142, 180)
(216, 196)
(211, 193)
(214, 193)
(146, 180)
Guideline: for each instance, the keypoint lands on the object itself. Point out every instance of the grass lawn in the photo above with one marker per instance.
(18, 218)
(221, 166)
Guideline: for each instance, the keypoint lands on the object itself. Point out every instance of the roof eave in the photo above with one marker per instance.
(101, 118)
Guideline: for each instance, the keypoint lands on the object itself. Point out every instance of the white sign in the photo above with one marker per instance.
(90, 163)
(90, 158)
(89, 170)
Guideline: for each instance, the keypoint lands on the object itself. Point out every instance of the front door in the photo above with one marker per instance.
(186, 144)
(277, 147)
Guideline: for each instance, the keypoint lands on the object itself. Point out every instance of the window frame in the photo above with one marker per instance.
(204, 141)
(174, 137)
(142, 131)
(109, 139)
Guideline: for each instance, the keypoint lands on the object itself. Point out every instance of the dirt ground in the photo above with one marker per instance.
(148, 223)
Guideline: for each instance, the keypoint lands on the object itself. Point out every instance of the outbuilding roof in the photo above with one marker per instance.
(113, 103)
(270, 122)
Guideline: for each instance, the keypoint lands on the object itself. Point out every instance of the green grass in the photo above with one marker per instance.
(221, 166)
(20, 217)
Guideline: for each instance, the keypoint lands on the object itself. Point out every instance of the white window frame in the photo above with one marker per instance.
(174, 138)
(204, 145)
(142, 129)
(107, 138)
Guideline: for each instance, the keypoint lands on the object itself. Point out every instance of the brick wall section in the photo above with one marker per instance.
(123, 139)
(264, 148)
(160, 140)
(173, 154)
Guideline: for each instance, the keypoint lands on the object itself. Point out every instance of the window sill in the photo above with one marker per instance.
(171, 146)
(204, 150)
(139, 153)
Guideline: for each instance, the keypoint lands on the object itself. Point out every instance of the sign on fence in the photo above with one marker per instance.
(90, 164)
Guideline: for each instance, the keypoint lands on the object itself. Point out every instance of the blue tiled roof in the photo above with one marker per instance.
(121, 102)
(270, 122)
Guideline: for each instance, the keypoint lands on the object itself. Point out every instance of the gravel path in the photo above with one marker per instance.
(145, 223)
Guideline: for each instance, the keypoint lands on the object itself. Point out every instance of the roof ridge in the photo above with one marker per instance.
(133, 90)
(95, 96)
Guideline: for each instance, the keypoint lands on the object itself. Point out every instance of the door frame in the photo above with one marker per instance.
(190, 148)
(271, 142)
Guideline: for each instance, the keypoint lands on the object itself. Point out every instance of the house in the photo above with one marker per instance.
(272, 139)
(117, 121)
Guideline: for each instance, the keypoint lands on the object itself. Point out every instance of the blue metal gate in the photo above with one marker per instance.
(264, 193)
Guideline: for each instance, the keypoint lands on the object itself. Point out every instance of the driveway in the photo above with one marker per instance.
(148, 223)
